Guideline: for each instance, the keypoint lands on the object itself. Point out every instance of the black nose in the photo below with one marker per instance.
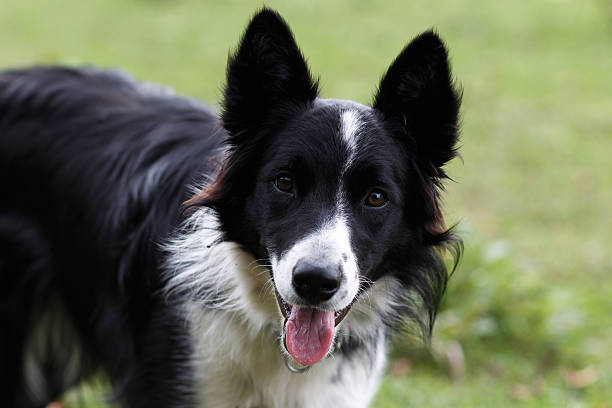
(315, 283)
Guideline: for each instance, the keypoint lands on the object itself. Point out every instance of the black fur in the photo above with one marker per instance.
(94, 172)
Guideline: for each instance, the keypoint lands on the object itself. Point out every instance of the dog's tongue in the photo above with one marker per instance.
(309, 333)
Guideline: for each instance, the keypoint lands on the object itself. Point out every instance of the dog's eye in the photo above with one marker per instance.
(376, 198)
(284, 182)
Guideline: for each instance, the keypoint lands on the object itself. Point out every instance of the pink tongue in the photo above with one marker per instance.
(309, 333)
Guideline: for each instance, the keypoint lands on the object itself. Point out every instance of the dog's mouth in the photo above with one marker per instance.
(286, 310)
(308, 331)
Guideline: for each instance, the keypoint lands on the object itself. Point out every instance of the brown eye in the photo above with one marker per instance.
(376, 198)
(284, 182)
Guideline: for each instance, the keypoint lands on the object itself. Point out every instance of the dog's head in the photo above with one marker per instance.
(333, 195)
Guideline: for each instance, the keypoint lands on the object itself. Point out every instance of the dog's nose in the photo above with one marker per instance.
(315, 283)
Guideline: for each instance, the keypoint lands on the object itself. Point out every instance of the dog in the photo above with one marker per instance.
(262, 257)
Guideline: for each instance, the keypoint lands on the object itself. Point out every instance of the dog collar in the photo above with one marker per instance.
(289, 362)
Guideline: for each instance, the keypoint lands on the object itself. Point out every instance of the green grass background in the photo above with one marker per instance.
(526, 320)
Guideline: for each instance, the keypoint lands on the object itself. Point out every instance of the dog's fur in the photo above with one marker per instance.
(142, 236)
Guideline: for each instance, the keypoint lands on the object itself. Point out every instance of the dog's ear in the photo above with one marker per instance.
(417, 95)
(267, 77)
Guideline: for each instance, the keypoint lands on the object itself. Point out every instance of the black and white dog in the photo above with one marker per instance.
(313, 234)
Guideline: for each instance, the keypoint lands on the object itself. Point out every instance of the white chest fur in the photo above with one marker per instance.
(240, 368)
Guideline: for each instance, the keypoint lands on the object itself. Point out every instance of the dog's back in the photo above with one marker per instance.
(93, 168)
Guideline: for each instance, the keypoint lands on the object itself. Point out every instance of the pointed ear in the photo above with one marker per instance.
(267, 77)
(417, 93)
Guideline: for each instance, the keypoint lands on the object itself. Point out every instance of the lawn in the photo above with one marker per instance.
(527, 317)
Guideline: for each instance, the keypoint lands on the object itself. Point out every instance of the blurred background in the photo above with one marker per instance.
(527, 316)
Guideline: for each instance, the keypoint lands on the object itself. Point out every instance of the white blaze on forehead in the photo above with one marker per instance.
(329, 245)
(349, 128)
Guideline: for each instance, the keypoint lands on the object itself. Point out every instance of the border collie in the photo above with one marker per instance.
(263, 257)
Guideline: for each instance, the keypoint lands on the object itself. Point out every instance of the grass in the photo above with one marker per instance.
(526, 321)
